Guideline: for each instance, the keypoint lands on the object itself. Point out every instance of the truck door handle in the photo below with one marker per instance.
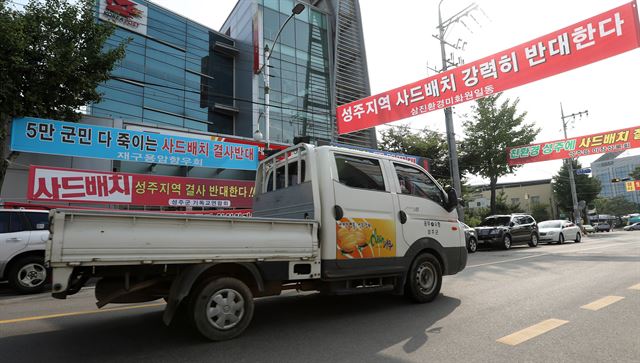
(339, 213)
(403, 217)
(15, 239)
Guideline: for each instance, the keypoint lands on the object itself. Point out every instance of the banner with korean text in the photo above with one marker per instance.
(600, 37)
(604, 142)
(47, 184)
(72, 139)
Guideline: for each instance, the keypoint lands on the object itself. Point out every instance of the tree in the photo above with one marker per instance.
(52, 58)
(617, 206)
(635, 174)
(491, 130)
(540, 212)
(424, 143)
(587, 188)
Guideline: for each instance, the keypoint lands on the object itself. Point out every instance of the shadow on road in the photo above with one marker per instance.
(295, 328)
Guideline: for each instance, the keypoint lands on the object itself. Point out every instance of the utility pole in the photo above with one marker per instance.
(574, 196)
(448, 112)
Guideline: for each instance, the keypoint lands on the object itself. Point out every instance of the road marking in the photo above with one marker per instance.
(75, 313)
(601, 303)
(635, 287)
(532, 331)
(544, 254)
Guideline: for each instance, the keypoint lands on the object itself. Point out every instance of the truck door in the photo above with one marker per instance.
(421, 203)
(365, 226)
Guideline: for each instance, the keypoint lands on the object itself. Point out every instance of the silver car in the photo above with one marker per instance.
(23, 236)
(558, 231)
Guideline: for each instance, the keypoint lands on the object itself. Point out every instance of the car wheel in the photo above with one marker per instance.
(506, 242)
(473, 245)
(222, 308)
(534, 240)
(28, 275)
(561, 239)
(578, 237)
(425, 279)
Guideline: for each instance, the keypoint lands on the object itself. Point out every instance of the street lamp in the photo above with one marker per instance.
(265, 66)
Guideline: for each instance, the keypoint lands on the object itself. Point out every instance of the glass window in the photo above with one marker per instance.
(302, 35)
(286, 6)
(358, 172)
(535, 200)
(10, 222)
(272, 4)
(414, 182)
(271, 23)
(38, 220)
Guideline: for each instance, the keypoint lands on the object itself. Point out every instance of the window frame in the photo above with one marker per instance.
(385, 182)
(443, 195)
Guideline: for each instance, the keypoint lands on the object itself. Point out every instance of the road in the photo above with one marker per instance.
(554, 303)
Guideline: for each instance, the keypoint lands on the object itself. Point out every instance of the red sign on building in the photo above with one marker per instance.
(604, 142)
(85, 186)
(600, 37)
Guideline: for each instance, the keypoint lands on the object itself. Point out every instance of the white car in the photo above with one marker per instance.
(558, 231)
(23, 237)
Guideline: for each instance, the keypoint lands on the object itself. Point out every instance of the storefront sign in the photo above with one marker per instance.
(602, 36)
(632, 185)
(71, 139)
(604, 142)
(48, 184)
(125, 13)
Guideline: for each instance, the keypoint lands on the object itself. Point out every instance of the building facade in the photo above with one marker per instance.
(525, 194)
(180, 73)
(615, 165)
(175, 72)
(318, 62)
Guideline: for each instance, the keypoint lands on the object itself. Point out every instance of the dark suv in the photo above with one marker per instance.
(507, 230)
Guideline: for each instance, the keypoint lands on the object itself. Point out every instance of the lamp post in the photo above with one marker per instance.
(265, 67)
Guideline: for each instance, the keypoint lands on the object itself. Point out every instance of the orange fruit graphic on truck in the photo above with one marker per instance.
(350, 239)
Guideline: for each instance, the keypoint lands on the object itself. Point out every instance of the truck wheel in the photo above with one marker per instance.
(425, 279)
(222, 308)
(28, 275)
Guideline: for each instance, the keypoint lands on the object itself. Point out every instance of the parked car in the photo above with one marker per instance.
(470, 237)
(603, 227)
(558, 231)
(23, 236)
(507, 230)
(633, 227)
(588, 228)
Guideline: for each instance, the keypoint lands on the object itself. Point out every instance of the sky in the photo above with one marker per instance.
(400, 49)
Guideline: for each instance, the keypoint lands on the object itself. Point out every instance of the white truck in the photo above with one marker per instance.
(326, 219)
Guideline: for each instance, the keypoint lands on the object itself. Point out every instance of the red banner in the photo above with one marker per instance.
(604, 142)
(85, 186)
(602, 36)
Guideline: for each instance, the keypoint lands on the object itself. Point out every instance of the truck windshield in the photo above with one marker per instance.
(495, 221)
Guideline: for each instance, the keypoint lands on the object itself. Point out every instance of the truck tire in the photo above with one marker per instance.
(424, 279)
(221, 308)
(27, 275)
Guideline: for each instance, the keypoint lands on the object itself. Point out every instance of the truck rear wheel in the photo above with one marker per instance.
(222, 308)
(425, 279)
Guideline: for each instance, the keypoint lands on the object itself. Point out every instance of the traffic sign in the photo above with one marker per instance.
(583, 171)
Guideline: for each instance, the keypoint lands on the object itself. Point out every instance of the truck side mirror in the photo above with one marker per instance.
(452, 199)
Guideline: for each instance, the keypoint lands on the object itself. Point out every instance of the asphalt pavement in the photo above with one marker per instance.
(555, 303)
